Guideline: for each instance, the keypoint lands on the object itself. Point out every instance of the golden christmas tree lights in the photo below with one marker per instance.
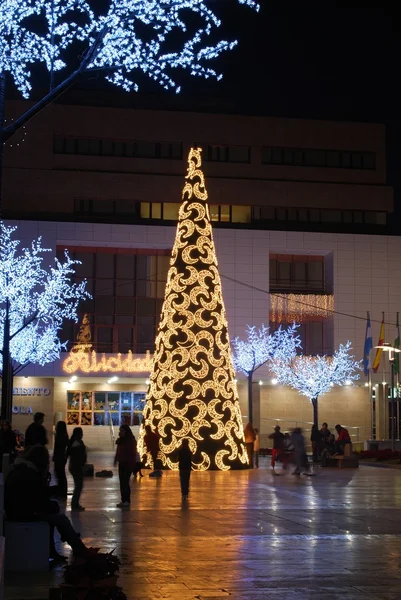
(192, 392)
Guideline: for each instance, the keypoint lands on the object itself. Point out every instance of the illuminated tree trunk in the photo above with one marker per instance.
(250, 397)
(315, 412)
(7, 373)
(192, 392)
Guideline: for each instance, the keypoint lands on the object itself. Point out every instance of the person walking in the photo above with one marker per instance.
(301, 459)
(151, 441)
(249, 434)
(278, 445)
(36, 433)
(126, 459)
(76, 452)
(256, 448)
(61, 440)
(185, 465)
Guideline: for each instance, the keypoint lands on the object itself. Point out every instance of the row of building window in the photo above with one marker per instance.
(300, 157)
(271, 155)
(226, 213)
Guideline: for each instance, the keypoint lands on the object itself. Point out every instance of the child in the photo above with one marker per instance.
(185, 464)
(76, 451)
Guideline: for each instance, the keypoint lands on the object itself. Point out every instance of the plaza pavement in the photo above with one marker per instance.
(245, 536)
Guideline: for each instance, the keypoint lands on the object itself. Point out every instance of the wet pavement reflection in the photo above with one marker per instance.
(245, 535)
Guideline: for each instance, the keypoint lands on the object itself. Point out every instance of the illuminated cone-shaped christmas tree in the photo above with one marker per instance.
(192, 392)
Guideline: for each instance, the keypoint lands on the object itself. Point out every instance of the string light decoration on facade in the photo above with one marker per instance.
(259, 348)
(287, 308)
(192, 392)
(314, 376)
(83, 359)
(121, 38)
(34, 303)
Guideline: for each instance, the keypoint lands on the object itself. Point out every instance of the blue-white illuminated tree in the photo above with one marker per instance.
(34, 303)
(124, 39)
(261, 347)
(313, 376)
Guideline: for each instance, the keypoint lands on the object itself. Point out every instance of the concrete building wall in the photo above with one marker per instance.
(37, 179)
(366, 277)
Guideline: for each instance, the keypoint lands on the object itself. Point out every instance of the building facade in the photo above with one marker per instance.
(300, 212)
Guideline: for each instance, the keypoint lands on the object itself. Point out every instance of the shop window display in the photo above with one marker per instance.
(101, 408)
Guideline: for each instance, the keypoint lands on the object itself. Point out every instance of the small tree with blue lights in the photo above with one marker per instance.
(261, 347)
(34, 303)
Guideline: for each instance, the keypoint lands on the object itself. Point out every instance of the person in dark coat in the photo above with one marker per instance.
(60, 457)
(151, 441)
(76, 452)
(126, 459)
(8, 441)
(36, 433)
(185, 465)
(27, 498)
(278, 446)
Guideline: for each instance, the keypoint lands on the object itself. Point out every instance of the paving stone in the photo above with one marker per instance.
(244, 535)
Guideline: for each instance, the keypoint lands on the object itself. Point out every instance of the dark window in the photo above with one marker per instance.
(58, 145)
(346, 160)
(288, 156)
(235, 154)
(368, 160)
(296, 273)
(127, 290)
(333, 159)
(266, 155)
(356, 158)
(277, 156)
(170, 150)
(316, 157)
(70, 146)
(145, 149)
(240, 154)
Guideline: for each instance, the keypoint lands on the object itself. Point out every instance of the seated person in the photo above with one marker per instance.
(27, 498)
(343, 438)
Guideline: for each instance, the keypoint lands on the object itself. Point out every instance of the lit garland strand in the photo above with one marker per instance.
(192, 392)
(115, 35)
(260, 347)
(313, 376)
(39, 300)
(285, 308)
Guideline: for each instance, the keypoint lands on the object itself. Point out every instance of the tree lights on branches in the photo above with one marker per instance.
(192, 392)
(127, 37)
(259, 348)
(313, 376)
(34, 303)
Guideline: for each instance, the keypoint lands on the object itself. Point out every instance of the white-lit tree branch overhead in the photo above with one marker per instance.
(122, 38)
(34, 303)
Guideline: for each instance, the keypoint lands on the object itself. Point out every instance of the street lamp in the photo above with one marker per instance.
(385, 347)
